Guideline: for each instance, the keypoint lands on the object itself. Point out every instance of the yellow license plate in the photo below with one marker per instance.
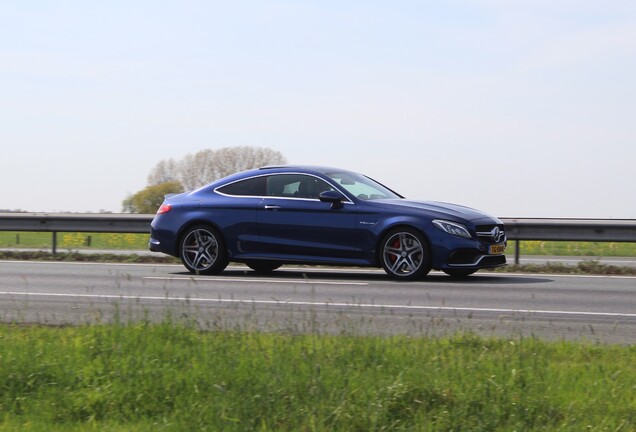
(496, 249)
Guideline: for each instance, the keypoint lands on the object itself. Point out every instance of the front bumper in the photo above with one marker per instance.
(452, 253)
(475, 259)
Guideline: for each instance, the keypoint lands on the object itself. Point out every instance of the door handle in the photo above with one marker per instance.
(272, 207)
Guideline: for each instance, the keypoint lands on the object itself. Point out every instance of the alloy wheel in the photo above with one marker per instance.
(404, 255)
(202, 251)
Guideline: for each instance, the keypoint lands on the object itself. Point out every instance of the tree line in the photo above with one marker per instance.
(171, 176)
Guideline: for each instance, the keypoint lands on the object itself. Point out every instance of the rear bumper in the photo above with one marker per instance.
(158, 243)
(154, 245)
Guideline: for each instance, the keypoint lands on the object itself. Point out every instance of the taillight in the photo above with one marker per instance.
(165, 208)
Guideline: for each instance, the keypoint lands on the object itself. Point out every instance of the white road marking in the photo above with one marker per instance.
(321, 304)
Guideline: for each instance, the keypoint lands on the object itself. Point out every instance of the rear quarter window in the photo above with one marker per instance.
(250, 187)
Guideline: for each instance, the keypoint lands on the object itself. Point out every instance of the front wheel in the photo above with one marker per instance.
(202, 251)
(404, 254)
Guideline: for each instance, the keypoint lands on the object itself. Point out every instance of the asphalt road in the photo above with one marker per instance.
(595, 308)
(524, 259)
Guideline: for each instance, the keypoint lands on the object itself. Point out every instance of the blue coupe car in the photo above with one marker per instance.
(322, 216)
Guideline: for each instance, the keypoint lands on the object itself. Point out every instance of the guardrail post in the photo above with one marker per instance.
(54, 243)
(517, 253)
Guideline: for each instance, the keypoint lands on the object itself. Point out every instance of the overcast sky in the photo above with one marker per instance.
(518, 108)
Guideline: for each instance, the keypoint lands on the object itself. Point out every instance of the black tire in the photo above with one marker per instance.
(262, 266)
(404, 254)
(202, 250)
(459, 273)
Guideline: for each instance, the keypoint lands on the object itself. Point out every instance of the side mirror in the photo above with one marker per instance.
(333, 197)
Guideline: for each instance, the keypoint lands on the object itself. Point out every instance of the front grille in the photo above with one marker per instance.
(485, 233)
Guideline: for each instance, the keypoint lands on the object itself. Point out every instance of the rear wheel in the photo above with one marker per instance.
(202, 250)
(262, 266)
(404, 254)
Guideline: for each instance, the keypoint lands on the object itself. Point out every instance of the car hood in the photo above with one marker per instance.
(432, 208)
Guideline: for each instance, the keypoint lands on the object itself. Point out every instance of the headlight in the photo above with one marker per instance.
(452, 228)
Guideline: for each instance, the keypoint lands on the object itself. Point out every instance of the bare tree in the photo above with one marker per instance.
(164, 172)
(198, 169)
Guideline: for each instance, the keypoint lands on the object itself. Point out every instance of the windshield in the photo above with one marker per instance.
(362, 187)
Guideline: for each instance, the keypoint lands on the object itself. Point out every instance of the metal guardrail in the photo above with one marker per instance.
(594, 230)
(75, 222)
(517, 229)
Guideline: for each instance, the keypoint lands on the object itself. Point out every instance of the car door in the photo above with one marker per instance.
(233, 209)
(293, 222)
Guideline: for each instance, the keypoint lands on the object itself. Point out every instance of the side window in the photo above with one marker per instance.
(250, 187)
(296, 186)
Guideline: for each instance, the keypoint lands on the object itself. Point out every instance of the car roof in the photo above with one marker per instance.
(307, 168)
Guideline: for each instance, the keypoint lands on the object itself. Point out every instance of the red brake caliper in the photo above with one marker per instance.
(396, 245)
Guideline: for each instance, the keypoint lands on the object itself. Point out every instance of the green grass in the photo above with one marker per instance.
(564, 248)
(171, 376)
(73, 241)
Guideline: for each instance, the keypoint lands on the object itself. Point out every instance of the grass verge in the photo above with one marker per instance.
(569, 248)
(87, 257)
(173, 376)
(590, 267)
